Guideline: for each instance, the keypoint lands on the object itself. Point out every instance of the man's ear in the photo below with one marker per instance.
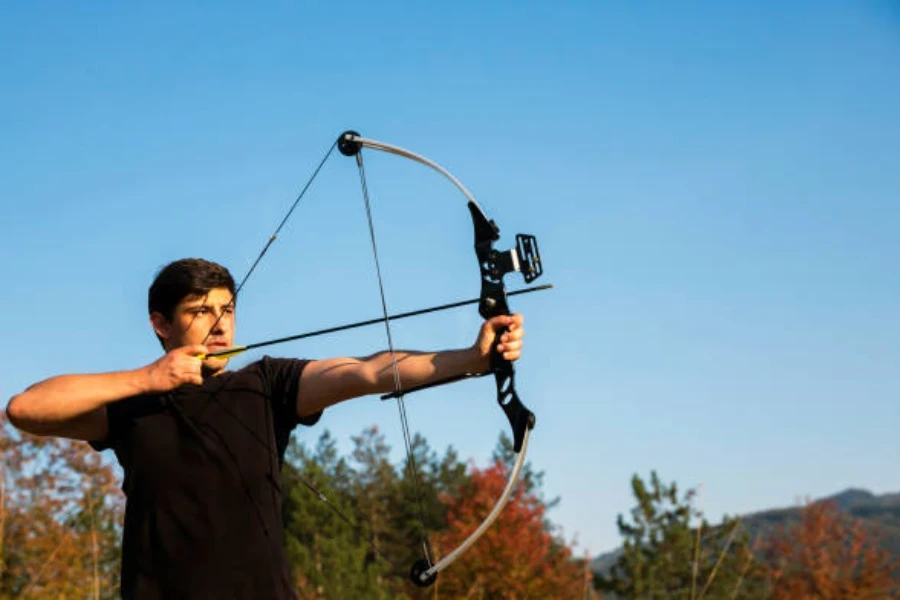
(161, 325)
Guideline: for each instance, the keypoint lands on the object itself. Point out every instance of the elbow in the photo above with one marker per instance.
(23, 419)
(14, 411)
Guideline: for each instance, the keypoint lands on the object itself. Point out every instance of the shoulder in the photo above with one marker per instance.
(280, 378)
(120, 416)
(275, 374)
(272, 364)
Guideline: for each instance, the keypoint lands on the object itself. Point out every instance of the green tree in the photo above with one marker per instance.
(419, 509)
(665, 557)
(329, 552)
(354, 527)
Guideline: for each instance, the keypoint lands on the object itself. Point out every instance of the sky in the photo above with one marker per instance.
(714, 188)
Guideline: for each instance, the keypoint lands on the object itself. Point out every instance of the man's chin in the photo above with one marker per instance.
(214, 366)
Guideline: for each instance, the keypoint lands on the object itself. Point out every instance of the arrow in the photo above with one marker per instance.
(235, 350)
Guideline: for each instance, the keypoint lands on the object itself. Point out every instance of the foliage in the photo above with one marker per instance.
(60, 516)
(666, 556)
(825, 554)
(362, 540)
(517, 558)
(61, 512)
(828, 555)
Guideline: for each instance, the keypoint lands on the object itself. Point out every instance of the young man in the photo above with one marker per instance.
(202, 447)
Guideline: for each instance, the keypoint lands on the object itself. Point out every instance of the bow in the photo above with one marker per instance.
(493, 265)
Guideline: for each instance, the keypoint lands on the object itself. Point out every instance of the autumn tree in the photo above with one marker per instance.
(354, 526)
(60, 515)
(828, 556)
(518, 557)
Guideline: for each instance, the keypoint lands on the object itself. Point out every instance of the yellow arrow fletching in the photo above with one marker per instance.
(226, 353)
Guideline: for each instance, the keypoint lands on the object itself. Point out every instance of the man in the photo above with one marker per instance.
(202, 447)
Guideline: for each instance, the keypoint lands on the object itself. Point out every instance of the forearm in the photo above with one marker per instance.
(50, 404)
(420, 368)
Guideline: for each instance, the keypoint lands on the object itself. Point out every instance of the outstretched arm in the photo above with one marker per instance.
(327, 382)
(74, 406)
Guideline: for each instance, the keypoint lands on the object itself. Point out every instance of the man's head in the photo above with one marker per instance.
(190, 302)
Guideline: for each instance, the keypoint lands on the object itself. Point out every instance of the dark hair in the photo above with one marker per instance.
(188, 276)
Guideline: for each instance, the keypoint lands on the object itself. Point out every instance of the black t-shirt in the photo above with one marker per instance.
(203, 509)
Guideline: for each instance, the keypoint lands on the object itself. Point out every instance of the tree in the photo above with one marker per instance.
(353, 528)
(363, 542)
(329, 552)
(665, 557)
(60, 515)
(518, 557)
(828, 555)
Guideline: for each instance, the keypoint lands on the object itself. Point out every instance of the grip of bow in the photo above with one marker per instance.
(494, 265)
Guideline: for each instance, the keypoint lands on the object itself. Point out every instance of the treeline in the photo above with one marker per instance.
(371, 526)
(354, 525)
(671, 552)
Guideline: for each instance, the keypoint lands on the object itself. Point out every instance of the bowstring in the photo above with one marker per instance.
(354, 525)
(269, 243)
(401, 404)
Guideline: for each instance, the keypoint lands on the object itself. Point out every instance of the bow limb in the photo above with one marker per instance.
(350, 143)
(423, 574)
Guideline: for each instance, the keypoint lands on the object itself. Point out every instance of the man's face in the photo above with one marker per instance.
(195, 317)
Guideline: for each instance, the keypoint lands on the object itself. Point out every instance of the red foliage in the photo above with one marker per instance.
(829, 555)
(516, 558)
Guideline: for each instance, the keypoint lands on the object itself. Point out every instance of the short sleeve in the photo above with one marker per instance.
(121, 416)
(283, 376)
(283, 381)
(116, 417)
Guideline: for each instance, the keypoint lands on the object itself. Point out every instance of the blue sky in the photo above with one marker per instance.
(714, 188)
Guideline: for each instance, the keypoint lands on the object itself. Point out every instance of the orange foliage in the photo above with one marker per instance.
(516, 558)
(828, 556)
(59, 512)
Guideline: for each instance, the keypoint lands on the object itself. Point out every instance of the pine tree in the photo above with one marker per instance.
(329, 552)
(665, 557)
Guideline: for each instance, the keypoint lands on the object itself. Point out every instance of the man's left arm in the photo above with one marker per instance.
(324, 383)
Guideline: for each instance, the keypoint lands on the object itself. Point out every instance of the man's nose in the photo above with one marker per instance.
(221, 322)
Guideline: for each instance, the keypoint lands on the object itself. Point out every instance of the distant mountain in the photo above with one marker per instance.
(604, 562)
(881, 513)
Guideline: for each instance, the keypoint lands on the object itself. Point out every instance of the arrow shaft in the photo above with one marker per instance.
(367, 322)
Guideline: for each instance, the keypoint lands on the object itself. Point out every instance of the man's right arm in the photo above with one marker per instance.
(74, 406)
